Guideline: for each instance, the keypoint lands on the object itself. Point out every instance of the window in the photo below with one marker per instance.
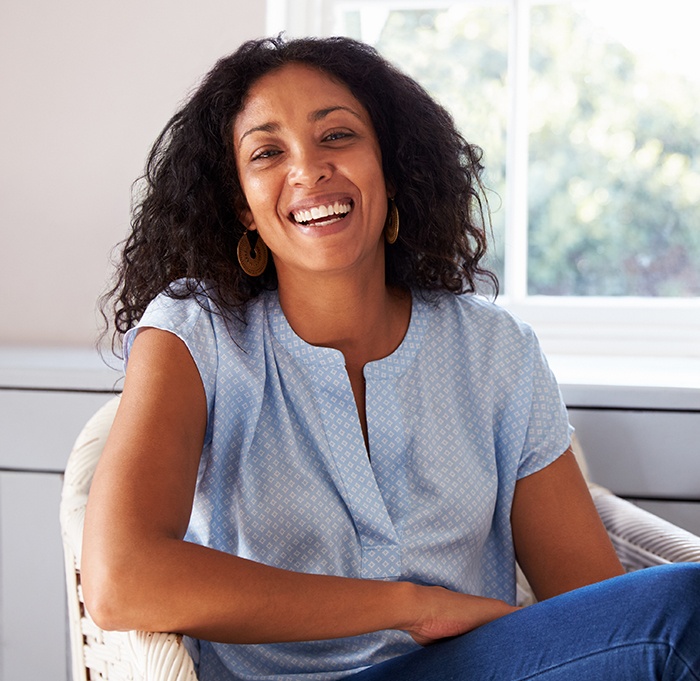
(587, 114)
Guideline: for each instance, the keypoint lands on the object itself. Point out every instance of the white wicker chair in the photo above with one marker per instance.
(99, 655)
(640, 539)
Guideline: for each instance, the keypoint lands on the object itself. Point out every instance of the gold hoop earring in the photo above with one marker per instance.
(252, 257)
(391, 229)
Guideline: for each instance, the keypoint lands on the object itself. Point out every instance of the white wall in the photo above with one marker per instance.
(85, 88)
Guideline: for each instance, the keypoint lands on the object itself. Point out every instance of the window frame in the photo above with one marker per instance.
(567, 325)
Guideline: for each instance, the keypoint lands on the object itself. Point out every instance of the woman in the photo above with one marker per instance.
(330, 456)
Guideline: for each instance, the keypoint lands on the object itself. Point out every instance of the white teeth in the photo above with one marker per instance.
(318, 212)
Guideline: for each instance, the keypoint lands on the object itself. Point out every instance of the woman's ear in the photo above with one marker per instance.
(245, 216)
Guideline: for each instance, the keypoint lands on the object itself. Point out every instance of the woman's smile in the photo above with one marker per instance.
(322, 215)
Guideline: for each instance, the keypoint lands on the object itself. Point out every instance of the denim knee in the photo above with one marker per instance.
(673, 592)
(677, 586)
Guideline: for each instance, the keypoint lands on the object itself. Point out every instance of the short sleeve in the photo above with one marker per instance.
(192, 323)
(548, 433)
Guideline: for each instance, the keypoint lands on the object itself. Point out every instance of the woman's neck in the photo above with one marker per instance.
(362, 318)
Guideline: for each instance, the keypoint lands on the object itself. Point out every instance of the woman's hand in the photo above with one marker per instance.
(445, 614)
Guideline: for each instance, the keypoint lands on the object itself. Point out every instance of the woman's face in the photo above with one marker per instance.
(310, 167)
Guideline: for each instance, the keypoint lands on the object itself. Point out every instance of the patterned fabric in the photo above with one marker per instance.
(462, 409)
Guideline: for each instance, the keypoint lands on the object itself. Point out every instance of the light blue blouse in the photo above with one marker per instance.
(461, 410)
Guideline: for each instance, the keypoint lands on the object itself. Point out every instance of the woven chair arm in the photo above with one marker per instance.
(640, 538)
(163, 657)
(135, 655)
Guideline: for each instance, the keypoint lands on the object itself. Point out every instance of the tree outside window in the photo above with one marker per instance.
(613, 131)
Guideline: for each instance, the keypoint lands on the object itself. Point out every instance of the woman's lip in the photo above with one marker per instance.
(323, 227)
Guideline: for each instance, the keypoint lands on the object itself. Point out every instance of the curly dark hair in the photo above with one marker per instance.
(185, 224)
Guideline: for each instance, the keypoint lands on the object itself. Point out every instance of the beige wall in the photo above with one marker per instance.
(85, 88)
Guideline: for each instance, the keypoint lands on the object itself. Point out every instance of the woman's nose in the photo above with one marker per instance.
(308, 168)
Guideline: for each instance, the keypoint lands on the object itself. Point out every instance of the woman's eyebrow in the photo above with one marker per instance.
(314, 116)
(265, 127)
(322, 113)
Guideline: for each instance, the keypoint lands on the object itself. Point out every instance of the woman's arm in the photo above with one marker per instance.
(138, 573)
(560, 542)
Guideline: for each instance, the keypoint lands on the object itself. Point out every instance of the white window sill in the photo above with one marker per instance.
(652, 328)
(628, 382)
(57, 369)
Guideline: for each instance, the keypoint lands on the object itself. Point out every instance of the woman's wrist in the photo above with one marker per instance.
(407, 607)
(430, 613)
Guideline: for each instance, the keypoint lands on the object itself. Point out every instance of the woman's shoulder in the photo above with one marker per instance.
(189, 309)
(468, 326)
(185, 299)
(474, 314)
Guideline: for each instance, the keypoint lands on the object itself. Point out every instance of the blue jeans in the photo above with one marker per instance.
(638, 627)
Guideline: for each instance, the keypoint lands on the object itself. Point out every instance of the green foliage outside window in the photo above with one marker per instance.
(614, 144)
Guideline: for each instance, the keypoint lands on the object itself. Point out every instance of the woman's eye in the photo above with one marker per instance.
(264, 153)
(337, 135)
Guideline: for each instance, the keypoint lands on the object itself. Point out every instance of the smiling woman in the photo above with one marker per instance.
(192, 193)
(304, 145)
(326, 460)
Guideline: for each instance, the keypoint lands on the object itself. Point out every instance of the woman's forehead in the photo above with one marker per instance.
(299, 85)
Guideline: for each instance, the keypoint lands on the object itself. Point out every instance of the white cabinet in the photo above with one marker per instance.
(39, 426)
(642, 453)
(638, 423)
(44, 402)
(33, 625)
